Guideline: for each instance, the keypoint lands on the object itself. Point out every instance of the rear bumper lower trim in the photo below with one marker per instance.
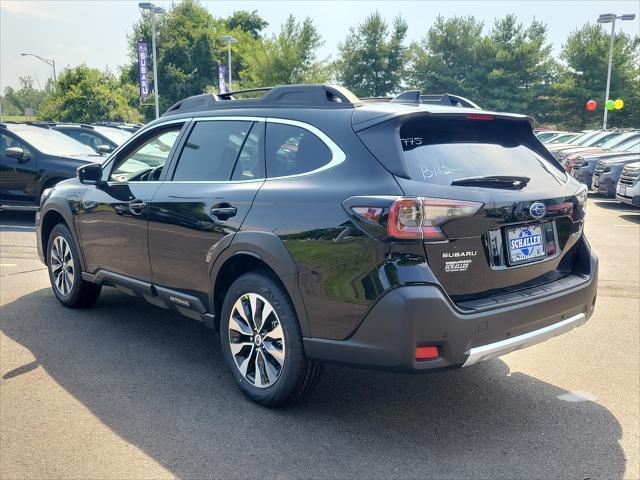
(494, 350)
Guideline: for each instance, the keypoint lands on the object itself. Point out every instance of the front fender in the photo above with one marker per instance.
(61, 203)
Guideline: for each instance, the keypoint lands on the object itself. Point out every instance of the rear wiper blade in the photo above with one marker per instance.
(493, 181)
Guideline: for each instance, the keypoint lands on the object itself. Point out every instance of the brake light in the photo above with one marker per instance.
(479, 116)
(418, 218)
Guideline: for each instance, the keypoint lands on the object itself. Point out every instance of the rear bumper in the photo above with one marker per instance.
(419, 315)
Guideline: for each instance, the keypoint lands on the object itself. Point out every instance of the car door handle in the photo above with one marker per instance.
(137, 207)
(224, 212)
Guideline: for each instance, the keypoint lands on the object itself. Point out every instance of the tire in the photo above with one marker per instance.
(65, 274)
(272, 370)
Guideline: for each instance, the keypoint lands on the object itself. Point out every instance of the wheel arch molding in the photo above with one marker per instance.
(50, 215)
(250, 251)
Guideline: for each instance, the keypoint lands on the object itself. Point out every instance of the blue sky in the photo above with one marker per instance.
(94, 31)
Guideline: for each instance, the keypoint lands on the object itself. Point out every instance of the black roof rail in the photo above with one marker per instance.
(414, 97)
(286, 95)
(449, 100)
(230, 95)
(40, 124)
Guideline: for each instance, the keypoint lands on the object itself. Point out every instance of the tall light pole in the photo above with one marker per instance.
(151, 7)
(51, 63)
(611, 18)
(229, 40)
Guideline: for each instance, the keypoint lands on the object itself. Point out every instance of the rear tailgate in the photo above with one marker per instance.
(524, 233)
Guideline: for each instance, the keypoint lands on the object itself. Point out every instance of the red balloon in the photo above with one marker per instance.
(591, 105)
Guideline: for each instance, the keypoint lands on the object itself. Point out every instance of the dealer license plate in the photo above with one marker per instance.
(526, 244)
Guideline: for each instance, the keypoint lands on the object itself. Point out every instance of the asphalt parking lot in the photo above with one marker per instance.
(127, 390)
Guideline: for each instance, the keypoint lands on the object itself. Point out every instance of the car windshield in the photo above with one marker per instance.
(116, 135)
(630, 146)
(562, 138)
(584, 138)
(52, 142)
(600, 139)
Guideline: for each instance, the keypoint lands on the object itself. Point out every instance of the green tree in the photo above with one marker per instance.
(14, 102)
(449, 58)
(249, 22)
(372, 60)
(519, 68)
(586, 54)
(87, 95)
(286, 58)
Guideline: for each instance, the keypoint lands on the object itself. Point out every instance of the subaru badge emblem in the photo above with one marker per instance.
(537, 210)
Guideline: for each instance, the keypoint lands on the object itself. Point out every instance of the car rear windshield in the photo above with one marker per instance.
(440, 151)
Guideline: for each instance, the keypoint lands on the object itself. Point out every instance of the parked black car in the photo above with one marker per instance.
(101, 139)
(33, 159)
(309, 226)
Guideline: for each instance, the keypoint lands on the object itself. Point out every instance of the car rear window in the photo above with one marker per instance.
(440, 151)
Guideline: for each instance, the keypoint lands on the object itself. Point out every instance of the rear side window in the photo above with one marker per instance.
(211, 150)
(440, 151)
(292, 150)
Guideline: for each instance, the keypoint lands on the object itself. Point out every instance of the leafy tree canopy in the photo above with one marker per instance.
(249, 22)
(87, 95)
(372, 59)
(286, 58)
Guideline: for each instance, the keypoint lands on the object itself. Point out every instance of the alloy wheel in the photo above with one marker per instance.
(62, 266)
(257, 340)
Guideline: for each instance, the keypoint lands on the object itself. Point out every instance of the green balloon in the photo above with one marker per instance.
(610, 105)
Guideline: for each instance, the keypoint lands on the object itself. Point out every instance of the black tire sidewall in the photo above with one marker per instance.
(287, 386)
(74, 297)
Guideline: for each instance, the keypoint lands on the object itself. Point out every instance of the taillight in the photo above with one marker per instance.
(418, 218)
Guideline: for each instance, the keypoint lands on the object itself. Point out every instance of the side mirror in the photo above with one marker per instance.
(16, 152)
(104, 149)
(90, 174)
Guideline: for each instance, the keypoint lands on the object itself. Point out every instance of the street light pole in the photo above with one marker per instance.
(155, 63)
(611, 18)
(229, 41)
(51, 63)
(150, 6)
(606, 95)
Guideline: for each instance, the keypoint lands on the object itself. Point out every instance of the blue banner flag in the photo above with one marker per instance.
(222, 83)
(142, 69)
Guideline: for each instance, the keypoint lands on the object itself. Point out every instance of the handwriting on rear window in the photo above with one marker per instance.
(438, 171)
(411, 141)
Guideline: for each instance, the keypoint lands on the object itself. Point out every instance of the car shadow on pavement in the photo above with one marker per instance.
(158, 381)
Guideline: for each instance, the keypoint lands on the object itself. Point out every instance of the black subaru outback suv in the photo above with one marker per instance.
(309, 226)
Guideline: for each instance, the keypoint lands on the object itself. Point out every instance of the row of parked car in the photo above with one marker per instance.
(606, 161)
(37, 155)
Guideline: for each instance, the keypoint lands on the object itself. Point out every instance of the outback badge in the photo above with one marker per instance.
(537, 210)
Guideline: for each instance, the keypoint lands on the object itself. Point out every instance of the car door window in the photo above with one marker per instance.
(292, 150)
(145, 163)
(7, 141)
(211, 151)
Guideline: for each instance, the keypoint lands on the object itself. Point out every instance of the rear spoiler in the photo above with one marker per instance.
(402, 116)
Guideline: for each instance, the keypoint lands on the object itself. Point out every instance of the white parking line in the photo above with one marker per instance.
(8, 264)
(18, 226)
